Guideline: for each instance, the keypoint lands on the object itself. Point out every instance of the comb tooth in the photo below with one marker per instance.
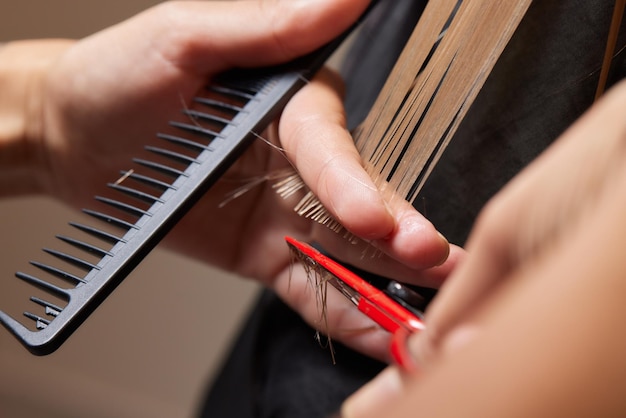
(85, 265)
(145, 197)
(169, 171)
(57, 272)
(157, 184)
(84, 246)
(252, 83)
(195, 129)
(110, 219)
(181, 158)
(105, 236)
(196, 146)
(43, 285)
(230, 91)
(40, 322)
(51, 309)
(194, 114)
(218, 105)
(135, 211)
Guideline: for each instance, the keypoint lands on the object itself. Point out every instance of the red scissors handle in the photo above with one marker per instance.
(370, 300)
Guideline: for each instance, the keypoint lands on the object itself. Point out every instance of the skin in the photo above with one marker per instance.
(531, 322)
(88, 106)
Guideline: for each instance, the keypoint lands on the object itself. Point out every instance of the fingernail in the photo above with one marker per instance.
(446, 244)
(386, 388)
(443, 239)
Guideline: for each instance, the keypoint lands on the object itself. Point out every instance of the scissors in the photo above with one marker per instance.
(396, 309)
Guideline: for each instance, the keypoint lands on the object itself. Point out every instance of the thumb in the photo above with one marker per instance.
(210, 36)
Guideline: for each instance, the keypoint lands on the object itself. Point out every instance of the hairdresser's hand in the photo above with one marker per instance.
(93, 104)
(531, 323)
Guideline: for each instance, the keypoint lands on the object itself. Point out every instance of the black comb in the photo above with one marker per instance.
(153, 195)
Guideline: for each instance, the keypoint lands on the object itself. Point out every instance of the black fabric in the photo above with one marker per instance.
(278, 368)
(374, 52)
(545, 79)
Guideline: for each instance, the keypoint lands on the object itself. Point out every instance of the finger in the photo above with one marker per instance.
(530, 326)
(313, 133)
(206, 37)
(414, 240)
(314, 136)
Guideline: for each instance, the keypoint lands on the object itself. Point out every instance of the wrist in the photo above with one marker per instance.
(23, 66)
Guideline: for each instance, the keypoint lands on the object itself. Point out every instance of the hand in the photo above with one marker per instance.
(530, 323)
(102, 98)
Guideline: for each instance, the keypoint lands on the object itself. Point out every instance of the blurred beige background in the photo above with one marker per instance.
(150, 349)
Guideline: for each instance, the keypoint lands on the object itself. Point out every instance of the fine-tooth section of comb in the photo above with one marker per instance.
(152, 196)
(50, 308)
(193, 145)
(197, 115)
(73, 260)
(95, 232)
(123, 206)
(176, 156)
(226, 107)
(148, 181)
(161, 168)
(196, 129)
(111, 220)
(43, 285)
(58, 272)
(137, 194)
(40, 322)
(90, 248)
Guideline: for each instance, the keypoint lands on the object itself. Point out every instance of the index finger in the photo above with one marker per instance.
(313, 133)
